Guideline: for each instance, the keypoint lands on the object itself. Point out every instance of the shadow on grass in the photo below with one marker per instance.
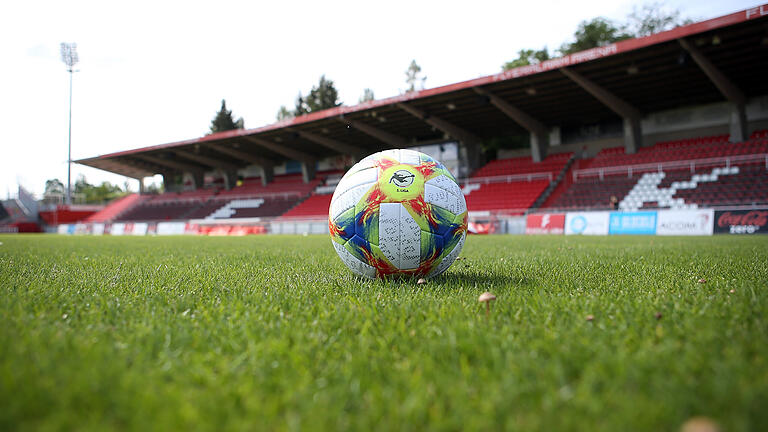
(450, 280)
(464, 278)
(473, 277)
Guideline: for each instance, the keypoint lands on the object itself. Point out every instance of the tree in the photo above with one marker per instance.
(412, 77)
(653, 18)
(54, 187)
(643, 21)
(284, 113)
(154, 188)
(300, 107)
(322, 96)
(223, 121)
(594, 33)
(100, 194)
(527, 57)
(367, 96)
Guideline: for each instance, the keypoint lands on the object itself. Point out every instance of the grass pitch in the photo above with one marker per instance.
(274, 333)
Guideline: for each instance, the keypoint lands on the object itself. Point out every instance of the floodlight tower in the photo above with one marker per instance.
(69, 57)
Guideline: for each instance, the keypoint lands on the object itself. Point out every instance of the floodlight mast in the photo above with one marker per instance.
(70, 58)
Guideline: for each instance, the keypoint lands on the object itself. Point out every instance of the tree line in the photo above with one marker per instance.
(86, 193)
(321, 96)
(600, 31)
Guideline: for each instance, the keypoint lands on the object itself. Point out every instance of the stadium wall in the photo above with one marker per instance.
(702, 120)
(693, 222)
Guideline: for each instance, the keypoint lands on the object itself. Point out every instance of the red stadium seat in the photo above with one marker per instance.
(747, 186)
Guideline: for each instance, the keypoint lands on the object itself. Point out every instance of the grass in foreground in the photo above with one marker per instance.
(275, 333)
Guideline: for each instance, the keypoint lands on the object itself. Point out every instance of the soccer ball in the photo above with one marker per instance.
(398, 212)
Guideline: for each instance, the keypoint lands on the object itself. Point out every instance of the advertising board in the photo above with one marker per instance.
(685, 222)
(545, 223)
(587, 223)
(118, 229)
(741, 222)
(480, 227)
(140, 228)
(170, 228)
(635, 223)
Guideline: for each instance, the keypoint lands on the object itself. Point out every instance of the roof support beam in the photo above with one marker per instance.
(738, 117)
(267, 174)
(168, 182)
(469, 140)
(537, 129)
(523, 119)
(388, 138)
(308, 161)
(287, 152)
(206, 160)
(457, 132)
(177, 165)
(331, 143)
(230, 179)
(738, 123)
(138, 172)
(266, 165)
(610, 100)
(227, 168)
(239, 154)
(726, 87)
(631, 115)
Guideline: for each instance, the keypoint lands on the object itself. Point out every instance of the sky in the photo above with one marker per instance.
(154, 72)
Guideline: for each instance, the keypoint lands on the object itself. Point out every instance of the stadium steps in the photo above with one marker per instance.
(564, 184)
(555, 184)
(114, 209)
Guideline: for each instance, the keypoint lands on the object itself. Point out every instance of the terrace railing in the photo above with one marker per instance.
(507, 178)
(691, 164)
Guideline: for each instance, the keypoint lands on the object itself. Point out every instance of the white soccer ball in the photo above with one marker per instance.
(398, 212)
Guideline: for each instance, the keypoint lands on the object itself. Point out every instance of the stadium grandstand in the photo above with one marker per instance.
(674, 120)
(20, 214)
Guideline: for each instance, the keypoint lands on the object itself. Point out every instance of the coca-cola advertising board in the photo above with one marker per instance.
(741, 222)
(545, 223)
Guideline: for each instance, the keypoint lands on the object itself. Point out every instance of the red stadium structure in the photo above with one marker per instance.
(674, 120)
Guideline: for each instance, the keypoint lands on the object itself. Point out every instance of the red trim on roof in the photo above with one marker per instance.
(568, 60)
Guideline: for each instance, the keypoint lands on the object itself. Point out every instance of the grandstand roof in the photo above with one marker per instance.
(648, 74)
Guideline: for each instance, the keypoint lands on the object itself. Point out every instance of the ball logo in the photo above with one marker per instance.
(402, 178)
